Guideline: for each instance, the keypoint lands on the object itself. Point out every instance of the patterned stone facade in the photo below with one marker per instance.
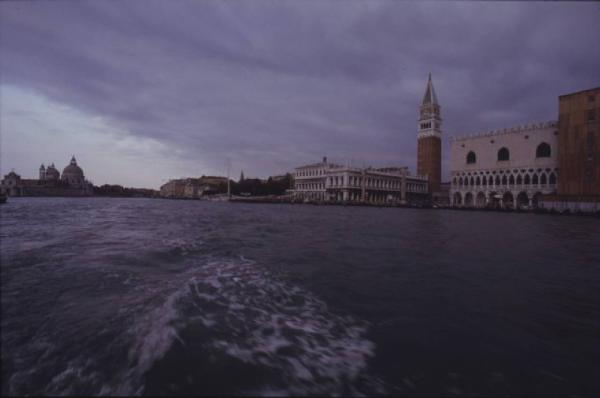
(510, 168)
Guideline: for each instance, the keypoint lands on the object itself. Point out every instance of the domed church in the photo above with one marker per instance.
(72, 174)
(71, 182)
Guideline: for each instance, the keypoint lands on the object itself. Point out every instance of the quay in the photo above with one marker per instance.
(293, 201)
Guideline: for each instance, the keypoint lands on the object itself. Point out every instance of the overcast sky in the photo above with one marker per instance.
(144, 91)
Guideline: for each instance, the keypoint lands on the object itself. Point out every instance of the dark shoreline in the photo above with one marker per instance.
(350, 204)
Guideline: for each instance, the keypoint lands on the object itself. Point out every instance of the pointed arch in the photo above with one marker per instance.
(469, 199)
(503, 154)
(535, 179)
(552, 179)
(522, 200)
(543, 179)
(543, 151)
(507, 199)
(457, 198)
(519, 180)
(471, 157)
(527, 179)
(480, 200)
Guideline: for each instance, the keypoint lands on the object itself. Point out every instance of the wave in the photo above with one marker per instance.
(249, 315)
(217, 312)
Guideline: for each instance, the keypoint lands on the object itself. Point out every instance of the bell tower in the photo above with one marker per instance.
(429, 139)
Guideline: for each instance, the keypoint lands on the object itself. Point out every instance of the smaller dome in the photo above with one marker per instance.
(52, 173)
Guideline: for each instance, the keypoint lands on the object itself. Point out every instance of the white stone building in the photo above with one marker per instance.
(330, 182)
(511, 167)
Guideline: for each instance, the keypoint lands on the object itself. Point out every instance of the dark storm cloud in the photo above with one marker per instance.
(276, 84)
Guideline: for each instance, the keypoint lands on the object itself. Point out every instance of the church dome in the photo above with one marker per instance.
(51, 173)
(73, 174)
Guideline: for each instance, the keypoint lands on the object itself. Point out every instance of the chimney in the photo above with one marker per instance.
(324, 159)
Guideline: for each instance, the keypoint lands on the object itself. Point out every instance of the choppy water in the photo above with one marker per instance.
(140, 296)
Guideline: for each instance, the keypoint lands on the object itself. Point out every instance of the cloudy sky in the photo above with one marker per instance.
(144, 91)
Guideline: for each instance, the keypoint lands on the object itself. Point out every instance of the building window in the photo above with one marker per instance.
(471, 158)
(591, 115)
(590, 145)
(591, 98)
(503, 155)
(543, 151)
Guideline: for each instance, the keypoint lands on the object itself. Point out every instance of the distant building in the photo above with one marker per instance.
(330, 182)
(193, 188)
(511, 167)
(50, 182)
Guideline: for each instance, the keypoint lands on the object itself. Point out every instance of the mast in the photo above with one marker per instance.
(228, 179)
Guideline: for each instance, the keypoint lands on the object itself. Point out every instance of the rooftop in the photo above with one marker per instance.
(507, 130)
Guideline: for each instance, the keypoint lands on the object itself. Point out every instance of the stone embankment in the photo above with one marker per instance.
(287, 200)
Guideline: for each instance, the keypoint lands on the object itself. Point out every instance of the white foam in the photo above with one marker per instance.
(324, 350)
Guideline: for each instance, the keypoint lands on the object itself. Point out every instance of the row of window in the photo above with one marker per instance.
(311, 186)
(542, 151)
(356, 181)
(542, 179)
(310, 173)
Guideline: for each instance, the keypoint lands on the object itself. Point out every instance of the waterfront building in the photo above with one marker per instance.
(429, 139)
(510, 167)
(579, 142)
(50, 182)
(192, 188)
(330, 182)
(578, 153)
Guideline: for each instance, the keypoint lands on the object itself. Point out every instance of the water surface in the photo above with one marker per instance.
(141, 296)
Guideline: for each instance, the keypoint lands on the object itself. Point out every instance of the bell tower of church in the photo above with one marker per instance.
(429, 139)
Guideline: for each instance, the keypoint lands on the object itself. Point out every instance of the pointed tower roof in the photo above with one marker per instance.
(430, 97)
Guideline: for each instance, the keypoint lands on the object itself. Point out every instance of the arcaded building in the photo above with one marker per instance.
(331, 182)
(509, 168)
